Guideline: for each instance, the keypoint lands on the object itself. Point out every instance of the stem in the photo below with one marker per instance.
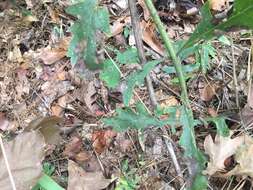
(171, 50)
(139, 46)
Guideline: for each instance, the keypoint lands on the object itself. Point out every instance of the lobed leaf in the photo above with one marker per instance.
(136, 78)
(241, 17)
(91, 20)
(110, 74)
(135, 119)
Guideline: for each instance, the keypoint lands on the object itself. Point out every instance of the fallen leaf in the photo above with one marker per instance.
(4, 123)
(81, 180)
(244, 160)
(218, 5)
(206, 91)
(89, 97)
(73, 147)
(101, 139)
(24, 155)
(50, 55)
(145, 9)
(149, 37)
(219, 150)
(48, 127)
(118, 25)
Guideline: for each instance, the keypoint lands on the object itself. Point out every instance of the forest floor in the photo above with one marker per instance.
(40, 88)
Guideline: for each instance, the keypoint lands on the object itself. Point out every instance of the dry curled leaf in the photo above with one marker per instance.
(218, 5)
(101, 139)
(206, 91)
(220, 150)
(149, 37)
(24, 155)
(4, 123)
(50, 55)
(82, 180)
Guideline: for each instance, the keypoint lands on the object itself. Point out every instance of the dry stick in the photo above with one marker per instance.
(235, 78)
(139, 46)
(7, 164)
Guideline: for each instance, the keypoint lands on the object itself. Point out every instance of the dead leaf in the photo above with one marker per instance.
(145, 9)
(150, 38)
(218, 5)
(206, 91)
(219, 150)
(48, 127)
(244, 160)
(24, 155)
(118, 25)
(4, 123)
(73, 147)
(82, 180)
(101, 139)
(50, 55)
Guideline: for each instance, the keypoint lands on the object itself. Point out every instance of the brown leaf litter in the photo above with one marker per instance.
(222, 149)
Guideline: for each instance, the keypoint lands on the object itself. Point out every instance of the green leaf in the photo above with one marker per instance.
(47, 183)
(136, 78)
(127, 57)
(221, 126)
(206, 51)
(128, 118)
(186, 68)
(110, 74)
(188, 142)
(241, 16)
(48, 168)
(91, 19)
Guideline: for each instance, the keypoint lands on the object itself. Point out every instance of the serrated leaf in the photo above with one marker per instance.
(220, 124)
(188, 142)
(136, 78)
(110, 74)
(127, 57)
(186, 68)
(128, 118)
(241, 16)
(91, 19)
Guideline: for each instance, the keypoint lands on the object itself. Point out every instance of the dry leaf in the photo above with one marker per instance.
(206, 91)
(51, 55)
(244, 160)
(48, 127)
(101, 139)
(4, 123)
(150, 38)
(24, 155)
(145, 9)
(219, 150)
(218, 5)
(73, 147)
(118, 25)
(82, 180)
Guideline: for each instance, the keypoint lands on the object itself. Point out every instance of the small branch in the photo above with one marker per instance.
(7, 164)
(140, 49)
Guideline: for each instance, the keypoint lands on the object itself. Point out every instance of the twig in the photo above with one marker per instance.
(139, 46)
(7, 164)
(235, 78)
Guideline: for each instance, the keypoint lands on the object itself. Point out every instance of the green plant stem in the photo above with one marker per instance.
(171, 50)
